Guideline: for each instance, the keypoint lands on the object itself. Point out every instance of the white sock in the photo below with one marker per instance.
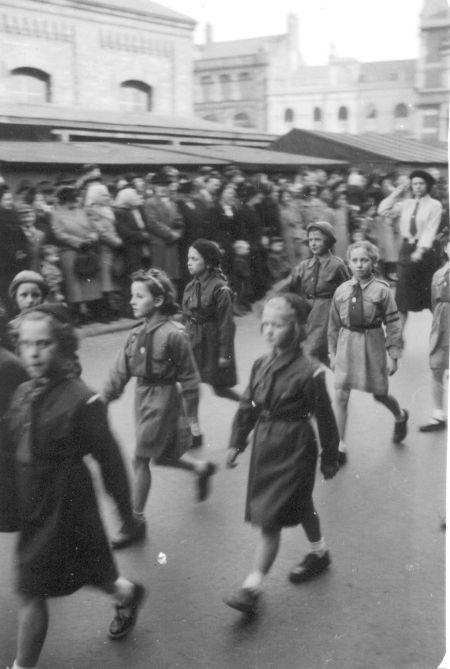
(16, 665)
(342, 446)
(401, 417)
(438, 414)
(139, 515)
(319, 548)
(253, 581)
(124, 590)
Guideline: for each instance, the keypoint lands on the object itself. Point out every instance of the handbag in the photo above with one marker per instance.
(87, 263)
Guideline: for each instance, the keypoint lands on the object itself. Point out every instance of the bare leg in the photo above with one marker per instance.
(437, 389)
(142, 483)
(341, 402)
(266, 551)
(33, 626)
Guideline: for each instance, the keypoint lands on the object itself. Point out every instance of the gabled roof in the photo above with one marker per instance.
(146, 7)
(394, 148)
(242, 47)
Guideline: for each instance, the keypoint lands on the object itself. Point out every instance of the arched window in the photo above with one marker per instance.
(401, 120)
(317, 115)
(243, 80)
(401, 111)
(30, 85)
(206, 83)
(136, 96)
(288, 115)
(242, 119)
(370, 117)
(225, 86)
(343, 114)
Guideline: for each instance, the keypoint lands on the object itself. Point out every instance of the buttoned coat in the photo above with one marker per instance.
(318, 290)
(62, 544)
(283, 394)
(159, 356)
(165, 225)
(208, 313)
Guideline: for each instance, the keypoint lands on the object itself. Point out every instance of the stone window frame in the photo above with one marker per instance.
(33, 75)
(138, 86)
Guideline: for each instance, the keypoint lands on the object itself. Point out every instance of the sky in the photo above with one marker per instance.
(363, 29)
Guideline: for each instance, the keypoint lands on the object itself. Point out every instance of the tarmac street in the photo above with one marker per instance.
(380, 605)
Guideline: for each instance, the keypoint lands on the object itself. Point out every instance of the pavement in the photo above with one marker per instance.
(381, 604)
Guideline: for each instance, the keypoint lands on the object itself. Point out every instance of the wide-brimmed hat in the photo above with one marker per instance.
(325, 228)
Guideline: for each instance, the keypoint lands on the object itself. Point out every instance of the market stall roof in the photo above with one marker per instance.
(100, 153)
(246, 156)
(112, 153)
(369, 147)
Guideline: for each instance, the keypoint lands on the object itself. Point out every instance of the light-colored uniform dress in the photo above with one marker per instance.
(440, 328)
(360, 351)
(158, 354)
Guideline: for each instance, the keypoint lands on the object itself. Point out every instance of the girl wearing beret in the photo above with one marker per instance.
(316, 279)
(208, 312)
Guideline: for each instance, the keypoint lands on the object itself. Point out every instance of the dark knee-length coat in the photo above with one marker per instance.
(284, 392)
(208, 312)
(62, 544)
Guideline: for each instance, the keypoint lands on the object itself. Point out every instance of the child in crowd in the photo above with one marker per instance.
(27, 290)
(316, 279)
(439, 344)
(52, 273)
(357, 342)
(208, 311)
(54, 421)
(286, 388)
(158, 354)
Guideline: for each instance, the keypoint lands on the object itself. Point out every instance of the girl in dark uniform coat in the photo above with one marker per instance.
(208, 312)
(286, 388)
(315, 279)
(54, 421)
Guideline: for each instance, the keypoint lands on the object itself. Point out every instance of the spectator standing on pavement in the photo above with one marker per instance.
(54, 421)
(27, 290)
(439, 344)
(14, 252)
(157, 353)
(286, 387)
(208, 312)
(316, 280)
(420, 217)
(357, 343)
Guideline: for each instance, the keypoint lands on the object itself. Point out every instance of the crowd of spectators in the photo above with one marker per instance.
(87, 235)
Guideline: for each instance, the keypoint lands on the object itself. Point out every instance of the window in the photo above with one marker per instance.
(289, 115)
(343, 114)
(401, 111)
(243, 80)
(206, 83)
(225, 86)
(27, 84)
(211, 117)
(371, 114)
(401, 121)
(317, 115)
(136, 96)
(242, 119)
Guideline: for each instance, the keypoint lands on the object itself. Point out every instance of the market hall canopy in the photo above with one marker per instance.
(118, 154)
(366, 150)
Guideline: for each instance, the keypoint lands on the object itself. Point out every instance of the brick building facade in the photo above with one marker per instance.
(133, 56)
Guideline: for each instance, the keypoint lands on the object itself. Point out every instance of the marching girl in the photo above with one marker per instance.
(357, 342)
(158, 354)
(439, 344)
(208, 312)
(53, 422)
(315, 279)
(286, 388)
